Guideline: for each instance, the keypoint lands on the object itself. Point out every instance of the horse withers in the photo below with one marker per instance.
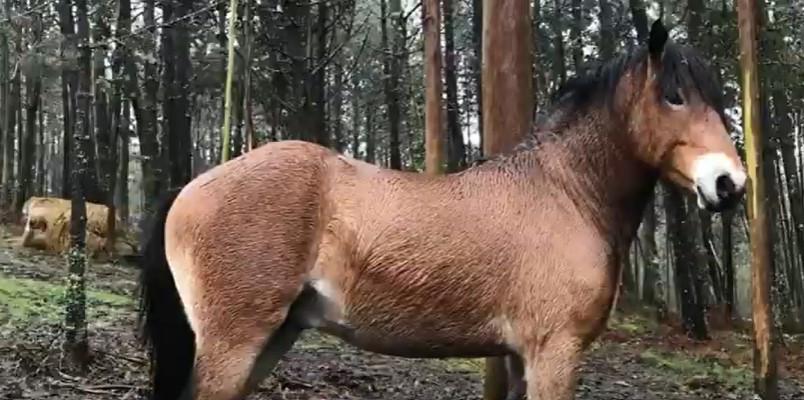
(518, 256)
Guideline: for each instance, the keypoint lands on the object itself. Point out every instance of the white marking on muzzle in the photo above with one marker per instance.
(707, 168)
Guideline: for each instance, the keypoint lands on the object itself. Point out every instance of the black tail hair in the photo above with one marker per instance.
(163, 324)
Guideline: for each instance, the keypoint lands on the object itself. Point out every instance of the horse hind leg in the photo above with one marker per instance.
(232, 367)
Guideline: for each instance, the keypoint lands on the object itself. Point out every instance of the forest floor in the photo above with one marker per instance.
(635, 359)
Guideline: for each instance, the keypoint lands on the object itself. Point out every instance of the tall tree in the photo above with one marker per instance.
(68, 88)
(76, 345)
(12, 96)
(7, 138)
(179, 67)
(433, 110)
(228, 80)
(507, 108)
(456, 151)
(765, 376)
(392, 75)
(477, 62)
(33, 88)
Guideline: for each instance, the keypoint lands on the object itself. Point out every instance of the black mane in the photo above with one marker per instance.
(683, 68)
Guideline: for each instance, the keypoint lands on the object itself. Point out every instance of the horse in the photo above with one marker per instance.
(518, 256)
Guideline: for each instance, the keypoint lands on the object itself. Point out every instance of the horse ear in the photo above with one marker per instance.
(657, 39)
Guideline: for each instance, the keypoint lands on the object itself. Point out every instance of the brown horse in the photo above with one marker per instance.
(517, 256)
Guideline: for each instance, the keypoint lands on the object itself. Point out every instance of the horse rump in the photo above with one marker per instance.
(163, 324)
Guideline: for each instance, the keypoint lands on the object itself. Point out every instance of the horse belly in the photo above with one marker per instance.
(387, 324)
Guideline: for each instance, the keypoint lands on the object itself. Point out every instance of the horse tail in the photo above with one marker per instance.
(163, 324)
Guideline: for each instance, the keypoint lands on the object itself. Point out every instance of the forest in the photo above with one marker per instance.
(107, 104)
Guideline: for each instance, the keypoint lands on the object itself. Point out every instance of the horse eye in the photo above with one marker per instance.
(674, 98)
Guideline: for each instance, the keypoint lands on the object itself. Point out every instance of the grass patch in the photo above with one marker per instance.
(312, 340)
(697, 371)
(28, 301)
(471, 365)
(631, 323)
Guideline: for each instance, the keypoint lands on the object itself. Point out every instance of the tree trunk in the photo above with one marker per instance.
(122, 180)
(179, 68)
(456, 151)
(356, 117)
(559, 66)
(68, 87)
(477, 62)
(727, 219)
(787, 139)
(371, 137)
(576, 32)
(25, 178)
(647, 240)
(319, 101)
(607, 40)
(7, 166)
(710, 253)
(391, 76)
(12, 103)
(248, 38)
(640, 19)
(41, 151)
(682, 233)
(765, 377)
(433, 109)
(507, 109)
(76, 346)
(339, 142)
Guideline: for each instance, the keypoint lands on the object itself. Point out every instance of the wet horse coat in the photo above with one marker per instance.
(519, 255)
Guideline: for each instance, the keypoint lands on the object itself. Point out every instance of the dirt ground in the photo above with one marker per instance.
(634, 360)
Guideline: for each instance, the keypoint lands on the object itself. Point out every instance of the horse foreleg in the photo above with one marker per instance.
(550, 369)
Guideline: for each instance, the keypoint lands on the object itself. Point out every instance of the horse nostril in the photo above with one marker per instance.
(725, 186)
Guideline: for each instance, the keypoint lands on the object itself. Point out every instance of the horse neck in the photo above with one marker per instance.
(592, 162)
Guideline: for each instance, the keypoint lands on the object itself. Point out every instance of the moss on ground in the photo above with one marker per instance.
(696, 371)
(632, 323)
(30, 302)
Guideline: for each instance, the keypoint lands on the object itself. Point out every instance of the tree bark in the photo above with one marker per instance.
(12, 104)
(7, 166)
(640, 20)
(559, 66)
(319, 100)
(607, 40)
(391, 76)
(576, 32)
(681, 228)
(507, 109)
(76, 345)
(25, 178)
(456, 151)
(477, 63)
(729, 298)
(433, 109)
(179, 68)
(647, 240)
(765, 377)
